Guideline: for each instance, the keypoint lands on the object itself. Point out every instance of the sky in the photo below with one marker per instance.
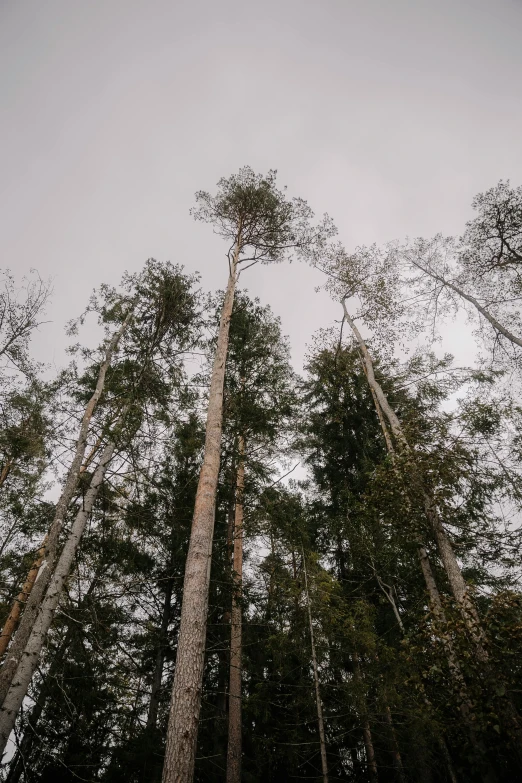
(389, 116)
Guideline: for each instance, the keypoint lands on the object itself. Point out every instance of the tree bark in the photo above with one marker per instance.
(457, 583)
(17, 764)
(396, 754)
(465, 705)
(447, 760)
(182, 729)
(46, 569)
(395, 424)
(441, 624)
(371, 762)
(6, 469)
(320, 722)
(234, 750)
(370, 751)
(44, 618)
(152, 715)
(12, 621)
(223, 652)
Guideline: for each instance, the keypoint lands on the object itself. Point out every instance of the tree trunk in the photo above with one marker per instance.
(234, 750)
(370, 751)
(152, 715)
(14, 617)
(182, 729)
(29, 660)
(371, 763)
(451, 566)
(447, 760)
(320, 722)
(45, 572)
(459, 683)
(441, 625)
(457, 583)
(223, 653)
(16, 610)
(5, 471)
(471, 299)
(396, 754)
(465, 706)
(18, 763)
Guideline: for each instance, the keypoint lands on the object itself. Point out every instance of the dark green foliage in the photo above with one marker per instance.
(98, 706)
(251, 211)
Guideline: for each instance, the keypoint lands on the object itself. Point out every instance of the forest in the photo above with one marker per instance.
(217, 569)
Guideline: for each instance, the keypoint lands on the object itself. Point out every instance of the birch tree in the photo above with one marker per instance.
(346, 279)
(478, 273)
(31, 654)
(346, 459)
(44, 565)
(164, 304)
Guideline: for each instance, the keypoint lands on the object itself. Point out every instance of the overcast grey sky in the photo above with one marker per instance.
(389, 115)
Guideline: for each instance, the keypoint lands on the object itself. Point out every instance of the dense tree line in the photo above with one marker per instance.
(177, 606)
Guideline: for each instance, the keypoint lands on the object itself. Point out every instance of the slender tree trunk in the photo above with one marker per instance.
(296, 594)
(320, 722)
(5, 471)
(371, 763)
(95, 449)
(447, 760)
(444, 748)
(10, 532)
(45, 572)
(223, 653)
(458, 585)
(18, 762)
(271, 579)
(396, 754)
(457, 677)
(16, 610)
(441, 624)
(234, 750)
(471, 299)
(456, 581)
(465, 705)
(451, 566)
(44, 618)
(370, 750)
(182, 731)
(12, 621)
(152, 715)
